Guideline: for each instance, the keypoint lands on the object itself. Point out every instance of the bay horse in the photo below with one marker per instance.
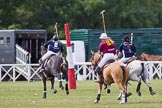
(138, 72)
(113, 73)
(52, 68)
(149, 57)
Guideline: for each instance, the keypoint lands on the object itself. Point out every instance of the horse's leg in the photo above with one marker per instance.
(123, 92)
(119, 96)
(52, 85)
(99, 93)
(108, 89)
(128, 93)
(105, 86)
(66, 84)
(60, 85)
(60, 82)
(146, 81)
(138, 88)
(135, 77)
(44, 84)
(126, 87)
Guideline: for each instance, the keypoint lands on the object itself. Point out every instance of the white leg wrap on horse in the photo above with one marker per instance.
(66, 82)
(99, 92)
(123, 99)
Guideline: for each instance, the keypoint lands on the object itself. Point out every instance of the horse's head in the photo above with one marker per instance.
(143, 57)
(95, 58)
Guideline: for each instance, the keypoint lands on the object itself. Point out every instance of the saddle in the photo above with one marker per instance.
(109, 61)
(46, 61)
(130, 60)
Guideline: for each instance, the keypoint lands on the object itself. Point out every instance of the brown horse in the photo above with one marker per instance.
(149, 57)
(113, 73)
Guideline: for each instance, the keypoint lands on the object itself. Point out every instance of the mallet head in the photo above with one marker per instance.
(102, 11)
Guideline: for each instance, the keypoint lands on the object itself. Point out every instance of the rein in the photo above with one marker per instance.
(97, 61)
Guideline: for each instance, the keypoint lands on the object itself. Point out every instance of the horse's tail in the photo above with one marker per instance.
(144, 73)
(124, 74)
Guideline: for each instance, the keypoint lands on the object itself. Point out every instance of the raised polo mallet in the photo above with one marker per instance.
(103, 19)
(131, 38)
(55, 27)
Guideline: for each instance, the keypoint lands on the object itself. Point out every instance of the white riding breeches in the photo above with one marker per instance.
(45, 56)
(106, 57)
(124, 60)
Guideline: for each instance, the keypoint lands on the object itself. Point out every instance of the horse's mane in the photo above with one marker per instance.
(150, 57)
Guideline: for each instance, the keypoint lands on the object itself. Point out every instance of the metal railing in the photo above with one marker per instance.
(22, 56)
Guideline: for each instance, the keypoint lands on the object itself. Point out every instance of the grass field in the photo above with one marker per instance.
(22, 94)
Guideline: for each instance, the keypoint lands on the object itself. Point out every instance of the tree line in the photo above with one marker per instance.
(79, 14)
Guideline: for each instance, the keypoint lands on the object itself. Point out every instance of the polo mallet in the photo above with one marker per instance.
(55, 27)
(131, 38)
(103, 19)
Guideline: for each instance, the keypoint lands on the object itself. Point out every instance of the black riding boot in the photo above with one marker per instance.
(100, 76)
(98, 70)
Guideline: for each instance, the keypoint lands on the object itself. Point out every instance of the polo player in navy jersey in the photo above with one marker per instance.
(54, 46)
(126, 49)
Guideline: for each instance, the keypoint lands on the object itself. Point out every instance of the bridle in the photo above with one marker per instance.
(95, 63)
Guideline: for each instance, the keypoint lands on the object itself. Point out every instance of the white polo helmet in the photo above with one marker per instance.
(103, 36)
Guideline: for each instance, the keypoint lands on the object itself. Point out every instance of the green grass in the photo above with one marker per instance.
(22, 94)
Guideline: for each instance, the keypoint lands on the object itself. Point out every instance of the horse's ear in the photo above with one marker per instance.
(92, 52)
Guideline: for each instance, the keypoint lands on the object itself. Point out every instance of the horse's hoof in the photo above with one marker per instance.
(43, 97)
(67, 93)
(139, 94)
(54, 91)
(96, 101)
(129, 94)
(62, 88)
(105, 87)
(108, 91)
(118, 98)
(152, 93)
(122, 102)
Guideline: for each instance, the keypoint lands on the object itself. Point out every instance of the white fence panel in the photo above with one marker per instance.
(83, 71)
(154, 69)
(14, 71)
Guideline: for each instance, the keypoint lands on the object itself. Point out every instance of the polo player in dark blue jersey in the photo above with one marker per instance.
(126, 49)
(54, 46)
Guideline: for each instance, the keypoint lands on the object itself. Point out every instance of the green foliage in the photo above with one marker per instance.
(64, 53)
(80, 14)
